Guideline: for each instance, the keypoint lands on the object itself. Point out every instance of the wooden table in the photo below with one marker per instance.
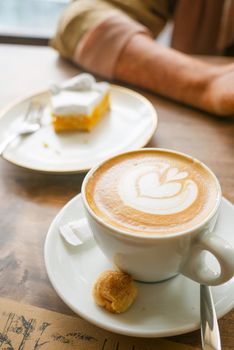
(29, 201)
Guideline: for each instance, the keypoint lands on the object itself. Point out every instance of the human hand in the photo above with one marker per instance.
(218, 95)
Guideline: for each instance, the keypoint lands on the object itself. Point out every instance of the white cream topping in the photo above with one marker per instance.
(81, 82)
(157, 189)
(79, 95)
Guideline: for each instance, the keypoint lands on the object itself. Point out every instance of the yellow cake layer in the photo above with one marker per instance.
(82, 122)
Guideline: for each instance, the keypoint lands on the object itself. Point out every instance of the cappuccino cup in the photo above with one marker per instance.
(152, 212)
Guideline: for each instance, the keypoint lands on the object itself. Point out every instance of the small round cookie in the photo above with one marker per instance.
(114, 291)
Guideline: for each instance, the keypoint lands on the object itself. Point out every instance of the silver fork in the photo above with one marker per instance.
(30, 124)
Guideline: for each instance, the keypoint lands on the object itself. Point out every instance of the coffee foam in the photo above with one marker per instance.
(158, 189)
(152, 192)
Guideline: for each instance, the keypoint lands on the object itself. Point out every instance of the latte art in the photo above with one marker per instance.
(155, 190)
(152, 192)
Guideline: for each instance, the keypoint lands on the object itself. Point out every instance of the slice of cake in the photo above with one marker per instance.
(79, 103)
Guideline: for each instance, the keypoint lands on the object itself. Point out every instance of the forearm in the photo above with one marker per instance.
(113, 45)
(165, 71)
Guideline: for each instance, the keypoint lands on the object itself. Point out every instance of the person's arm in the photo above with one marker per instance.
(107, 40)
(180, 77)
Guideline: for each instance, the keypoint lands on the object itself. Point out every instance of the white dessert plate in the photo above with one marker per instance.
(129, 125)
(161, 309)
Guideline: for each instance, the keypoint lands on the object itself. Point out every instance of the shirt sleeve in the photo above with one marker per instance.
(99, 49)
(82, 16)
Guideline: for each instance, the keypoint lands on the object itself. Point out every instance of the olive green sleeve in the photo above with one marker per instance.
(82, 15)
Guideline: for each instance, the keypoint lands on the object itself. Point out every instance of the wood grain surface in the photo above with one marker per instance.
(29, 201)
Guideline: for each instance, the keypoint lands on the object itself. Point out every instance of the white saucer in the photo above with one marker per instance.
(161, 309)
(129, 125)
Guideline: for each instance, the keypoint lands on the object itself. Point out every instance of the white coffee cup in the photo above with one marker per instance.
(154, 258)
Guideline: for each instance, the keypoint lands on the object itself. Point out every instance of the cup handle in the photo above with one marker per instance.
(195, 268)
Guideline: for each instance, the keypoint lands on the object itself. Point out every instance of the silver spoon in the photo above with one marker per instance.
(209, 325)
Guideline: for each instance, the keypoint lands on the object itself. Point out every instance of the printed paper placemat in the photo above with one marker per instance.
(26, 327)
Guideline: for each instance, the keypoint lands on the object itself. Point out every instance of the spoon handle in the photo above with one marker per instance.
(209, 325)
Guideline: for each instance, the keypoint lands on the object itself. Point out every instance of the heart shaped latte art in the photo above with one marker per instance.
(157, 190)
(149, 186)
